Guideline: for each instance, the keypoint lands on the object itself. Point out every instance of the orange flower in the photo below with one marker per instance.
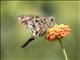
(57, 32)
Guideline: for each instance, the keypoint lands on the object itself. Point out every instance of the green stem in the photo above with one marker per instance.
(63, 49)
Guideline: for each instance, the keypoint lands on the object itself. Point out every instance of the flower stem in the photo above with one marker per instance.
(63, 49)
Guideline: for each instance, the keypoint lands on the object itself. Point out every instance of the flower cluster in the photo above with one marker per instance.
(57, 32)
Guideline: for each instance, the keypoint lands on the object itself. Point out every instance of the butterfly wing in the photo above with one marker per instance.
(27, 22)
(36, 24)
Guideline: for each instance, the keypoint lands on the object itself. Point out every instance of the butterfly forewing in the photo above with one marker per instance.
(36, 23)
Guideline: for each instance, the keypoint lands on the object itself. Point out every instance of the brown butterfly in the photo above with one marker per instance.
(38, 25)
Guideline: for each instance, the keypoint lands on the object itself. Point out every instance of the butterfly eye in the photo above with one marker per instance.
(51, 18)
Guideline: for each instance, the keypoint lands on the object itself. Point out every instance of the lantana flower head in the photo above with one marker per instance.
(57, 32)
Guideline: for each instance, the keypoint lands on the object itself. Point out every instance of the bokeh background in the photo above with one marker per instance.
(13, 35)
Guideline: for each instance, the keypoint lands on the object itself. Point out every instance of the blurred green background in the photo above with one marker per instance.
(13, 35)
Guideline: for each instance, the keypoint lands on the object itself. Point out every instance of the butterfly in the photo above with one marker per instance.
(38, 25)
